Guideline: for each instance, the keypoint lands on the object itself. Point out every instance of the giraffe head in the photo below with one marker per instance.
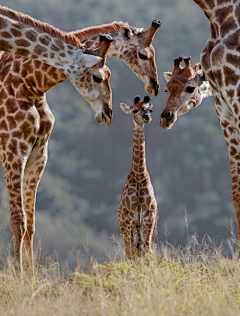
(140, 110)
(185, 86)
(138, 53)
(94, 83)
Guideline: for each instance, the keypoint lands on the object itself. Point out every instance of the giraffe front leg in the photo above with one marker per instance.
(231, 132)
(13, 174)
(32, 176)
(155, 228)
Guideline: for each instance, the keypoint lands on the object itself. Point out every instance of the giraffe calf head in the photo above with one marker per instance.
(140, 110)
(138, 53)
(185, 87)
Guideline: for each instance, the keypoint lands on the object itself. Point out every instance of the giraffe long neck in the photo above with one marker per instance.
(139, 168)
(211, 6)
(24, 40)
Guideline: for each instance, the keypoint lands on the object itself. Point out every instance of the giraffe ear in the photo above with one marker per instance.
(167, 76)
(126, 33)
(125, 108)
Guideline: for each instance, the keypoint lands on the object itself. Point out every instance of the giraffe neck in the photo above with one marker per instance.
(211, 6)
(21, 39)
(206, 90)
(139, 169)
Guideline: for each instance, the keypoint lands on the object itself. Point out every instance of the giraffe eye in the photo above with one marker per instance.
(142, 56)
(165, 90)
(190, 89)
(135, 111)
(97, 79)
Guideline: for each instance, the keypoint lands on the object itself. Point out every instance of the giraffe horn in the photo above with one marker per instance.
(187, 61)
(105, 42)
(177, 62)
(148, 34)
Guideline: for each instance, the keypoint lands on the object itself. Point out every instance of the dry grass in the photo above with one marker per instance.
(196, 281)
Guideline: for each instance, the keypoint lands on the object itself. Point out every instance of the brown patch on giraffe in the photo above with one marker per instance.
(11, 105)
(40, 50)
(230, 94)
(22, 52)
(235, 108)
(227, 26)
(31, 35)
(3, 126)
(15, 33)
(3, 94)
(230, 76)
(23, 148)
(6, 35)
(59, 44)
(10, 156)
(11, 122)
(2, 112)
(217, 75)
(4, 45)
(232, 41)
(45, 40)
(26, 129)
(217, 55)
(19, 116)
(3, 24)
(12, 146)
(22, 42)
(55, 48)
(233, 59)
(223, 13)
(234, 141)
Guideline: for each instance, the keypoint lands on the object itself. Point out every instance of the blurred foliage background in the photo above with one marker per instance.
(79, 193)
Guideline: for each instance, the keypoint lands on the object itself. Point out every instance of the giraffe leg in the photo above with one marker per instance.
(155, 228)
(149, 227)
(13, 174)
(32, 176)
(231, 132)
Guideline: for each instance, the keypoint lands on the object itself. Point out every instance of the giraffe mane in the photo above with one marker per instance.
(41, 26)
(96, 30)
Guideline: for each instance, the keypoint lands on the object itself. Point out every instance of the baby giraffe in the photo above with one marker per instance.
(138, 210)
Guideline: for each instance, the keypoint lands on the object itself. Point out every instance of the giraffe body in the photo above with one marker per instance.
(26, 123)
(138, 212)
(221, 66)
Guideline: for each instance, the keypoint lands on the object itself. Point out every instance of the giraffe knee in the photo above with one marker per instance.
(18, 227)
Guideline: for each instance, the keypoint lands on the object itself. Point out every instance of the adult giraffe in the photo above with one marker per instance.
(220, 62)
(25, 119)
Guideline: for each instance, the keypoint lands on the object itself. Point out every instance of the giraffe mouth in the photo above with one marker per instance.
(100, 118)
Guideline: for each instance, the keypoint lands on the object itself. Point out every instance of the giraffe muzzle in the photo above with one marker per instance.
(167, 119)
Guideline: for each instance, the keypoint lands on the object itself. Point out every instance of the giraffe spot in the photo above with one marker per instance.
(11, 105)
(233, 151)
(6, 35)
(227, 26)
(233, 59)
(52, 55)
(235, 108)
(22, 42)
(3, 24)
(234, 141)
(31, 35)
(10, 156)
(3, 126)
(2, 113)
(62, 55)
(59, 43)
(70, 53)
(12, 146)
(45, 55)
(223, 13)
(22, 51)
(4, 45)
(19, 116)
(231, 129)
(234, 179)
(55, 48)
(34, 56)
(225, 133)
(40, 50)
(230, 77)
(23, 149)
(11, 122)
(26, 129)
(232, 41)
(230, 94)
(45, 40)
(70, 47)
(217, 55)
